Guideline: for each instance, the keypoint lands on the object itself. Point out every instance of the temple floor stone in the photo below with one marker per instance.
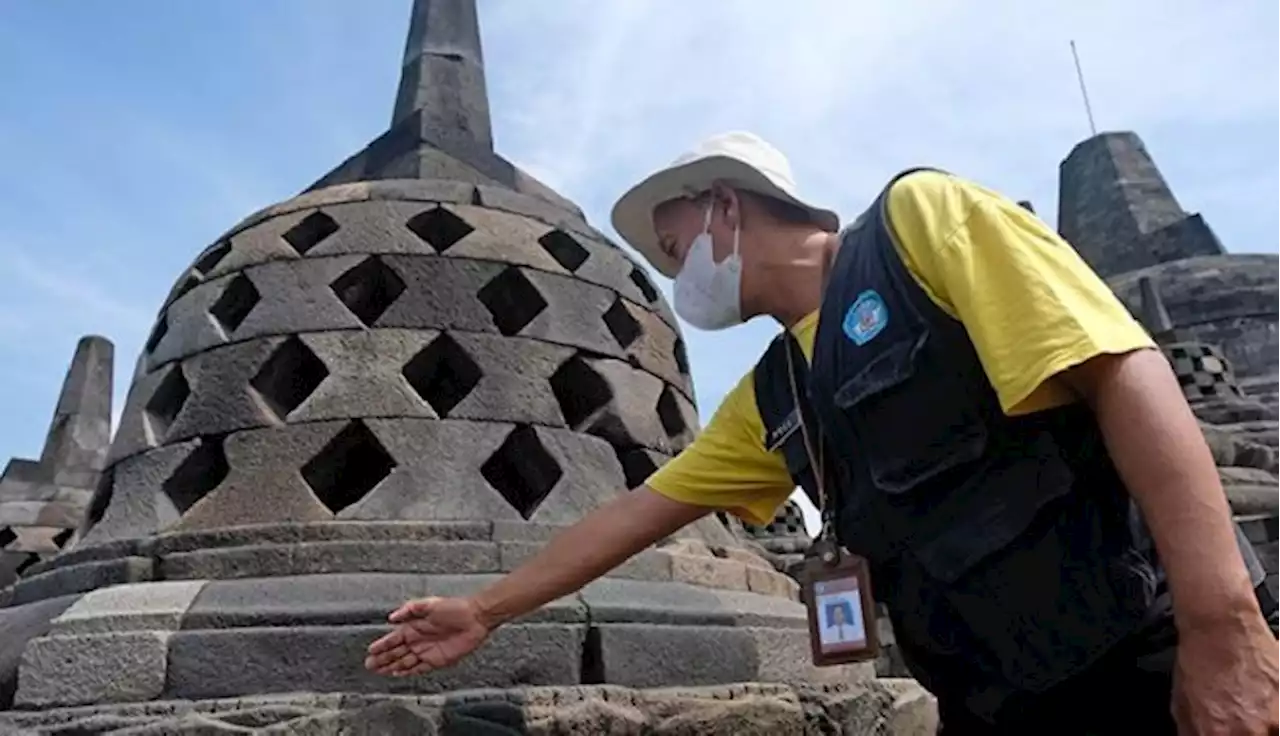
(884, 707)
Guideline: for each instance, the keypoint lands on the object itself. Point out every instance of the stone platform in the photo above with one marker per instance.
(876, 708)
(280, 608)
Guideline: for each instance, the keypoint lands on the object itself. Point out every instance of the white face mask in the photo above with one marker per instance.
(708, 295)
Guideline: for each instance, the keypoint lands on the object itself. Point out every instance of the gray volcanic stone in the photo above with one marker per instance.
(212, 664)
(130, 607)
(20, 623)
(885, 707)
(97, 668)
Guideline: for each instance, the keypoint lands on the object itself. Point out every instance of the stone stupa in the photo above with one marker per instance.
(398, 383)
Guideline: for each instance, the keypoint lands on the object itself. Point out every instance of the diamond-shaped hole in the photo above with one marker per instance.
(166, 401)
(238, 299)
(198, 474)
(348, 468)
(101, 498)
(522, 470)
(313, 229)
(368, 289)
(6, 536)
(62, 537)
(621, 324)
(669, 413)
(210, 259)
(158, 332)
(565, 248)
(682, 357)
(443, 374)
(643, 283)
(637, 466)
(289, 376)
(580, 391)
(31, 559)
(191, 281)
(440, 228)
(513, 300)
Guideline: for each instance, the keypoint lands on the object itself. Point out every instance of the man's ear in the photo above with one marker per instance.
(727, 201)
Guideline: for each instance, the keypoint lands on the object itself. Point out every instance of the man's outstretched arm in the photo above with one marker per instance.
(438, 632)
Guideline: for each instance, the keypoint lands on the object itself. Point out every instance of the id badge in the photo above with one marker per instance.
(842, 614)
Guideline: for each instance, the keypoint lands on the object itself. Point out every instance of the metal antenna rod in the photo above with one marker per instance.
(1093, 129)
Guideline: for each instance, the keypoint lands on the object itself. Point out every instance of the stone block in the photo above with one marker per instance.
(220, 396)
(41, 513)
(339, 599)
(500, 236)
(444, 484)
(611, 399)
(612, 600)
(365, 375)
(137, 431)
(769, 582)
(502, 198)
(97, 668)
(152, 606)
(318, 558)
(513, 377)
(647, 565)
(375, 227)
(423, 190)
(748, 558)
(81, 578)
(262, 481)
(652, 655)
(322, 531)
(260, 243)
(440, 293)
(574, 313)
(18, 625)
(214, 664)
(710, 572)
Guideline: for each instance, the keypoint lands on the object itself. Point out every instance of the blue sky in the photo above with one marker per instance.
(132, 133)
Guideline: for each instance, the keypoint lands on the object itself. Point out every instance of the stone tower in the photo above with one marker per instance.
(1115, 207)
(396, 384)
(42, 502)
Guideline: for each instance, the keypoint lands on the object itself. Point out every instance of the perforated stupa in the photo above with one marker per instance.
(399, 383)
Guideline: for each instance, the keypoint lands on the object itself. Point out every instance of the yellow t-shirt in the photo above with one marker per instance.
(1030, 304)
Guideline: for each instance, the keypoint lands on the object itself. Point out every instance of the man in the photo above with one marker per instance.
(993, 422)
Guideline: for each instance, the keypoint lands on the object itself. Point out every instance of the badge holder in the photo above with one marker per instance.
(835, 586)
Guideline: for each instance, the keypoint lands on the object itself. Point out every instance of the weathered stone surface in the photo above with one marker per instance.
(339, 599)
(97, 668)
(213, 664)
(82, 578)
(156, 606)
(318, 558)
(878, 708)
(637, 601)
(18, 625)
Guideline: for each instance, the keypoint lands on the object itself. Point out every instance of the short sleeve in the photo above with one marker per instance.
(1031, 305)
(727, 467)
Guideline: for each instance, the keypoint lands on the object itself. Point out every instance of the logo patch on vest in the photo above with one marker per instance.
(866, 317)
(779, 434)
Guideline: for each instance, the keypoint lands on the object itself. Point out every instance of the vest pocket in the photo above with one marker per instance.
(1031, 571)
(909, 428)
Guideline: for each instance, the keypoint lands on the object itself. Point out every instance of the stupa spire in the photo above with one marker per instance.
(443, 73)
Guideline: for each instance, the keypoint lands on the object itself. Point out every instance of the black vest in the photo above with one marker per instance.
(1006, 549)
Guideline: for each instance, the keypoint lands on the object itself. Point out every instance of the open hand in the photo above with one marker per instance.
(1225, 682)
(430, 634)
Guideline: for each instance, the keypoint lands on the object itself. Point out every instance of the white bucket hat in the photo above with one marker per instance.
(737, 158)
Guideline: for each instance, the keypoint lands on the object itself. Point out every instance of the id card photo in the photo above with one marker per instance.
(841, 627)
